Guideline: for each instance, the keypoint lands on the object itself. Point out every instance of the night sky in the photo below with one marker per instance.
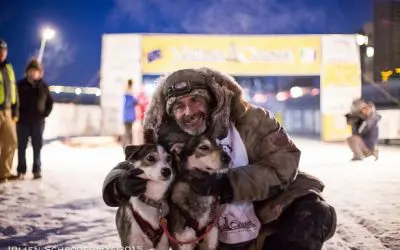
(73, 58)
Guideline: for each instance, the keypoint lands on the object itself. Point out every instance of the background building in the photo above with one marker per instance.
(386, 36)
(367, 53)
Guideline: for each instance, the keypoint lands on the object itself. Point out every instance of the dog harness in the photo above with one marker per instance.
(194, 224)
(199, 235)
(153, 234)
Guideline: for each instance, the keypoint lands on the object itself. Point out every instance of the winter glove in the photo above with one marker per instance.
(207, 184)
(129, 184)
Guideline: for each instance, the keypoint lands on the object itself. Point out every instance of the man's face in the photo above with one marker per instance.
(3, 55)
(34, 74)
(365, 111)
(190, 113)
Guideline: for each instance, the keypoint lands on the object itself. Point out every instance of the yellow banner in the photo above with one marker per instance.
(340, 75)
(340, 85)
(235, 55)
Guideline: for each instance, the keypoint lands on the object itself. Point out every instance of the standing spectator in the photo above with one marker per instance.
(129, 113)
(36, 104)
(8, 115)
(143, 101)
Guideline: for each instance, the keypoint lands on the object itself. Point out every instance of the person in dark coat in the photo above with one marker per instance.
(36, 103)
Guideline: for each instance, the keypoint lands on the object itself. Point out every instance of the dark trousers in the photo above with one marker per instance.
(305, 225)
(128, 136)
(35, 132)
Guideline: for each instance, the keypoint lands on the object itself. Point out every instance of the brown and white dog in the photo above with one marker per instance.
(138, 219)
(191, 215)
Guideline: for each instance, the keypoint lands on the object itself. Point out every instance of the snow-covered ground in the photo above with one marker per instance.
(65, 208)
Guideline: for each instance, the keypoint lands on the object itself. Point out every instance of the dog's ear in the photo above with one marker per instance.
(149, 136)
(131, 150)
(177, 148)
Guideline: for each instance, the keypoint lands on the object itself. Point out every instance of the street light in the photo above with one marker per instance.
(370, 51)
(361, 40)
(296, 92)
(47, 34)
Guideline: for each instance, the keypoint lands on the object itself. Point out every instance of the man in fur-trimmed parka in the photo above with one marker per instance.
(268, 203)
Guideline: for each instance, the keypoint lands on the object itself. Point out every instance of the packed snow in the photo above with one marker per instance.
(65, 208)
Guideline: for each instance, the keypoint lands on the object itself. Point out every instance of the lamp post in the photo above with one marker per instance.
(47, 34)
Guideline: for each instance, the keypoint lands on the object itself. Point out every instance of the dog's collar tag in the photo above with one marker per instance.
(164, 209)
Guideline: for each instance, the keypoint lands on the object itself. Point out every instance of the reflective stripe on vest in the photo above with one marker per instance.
(11, 75)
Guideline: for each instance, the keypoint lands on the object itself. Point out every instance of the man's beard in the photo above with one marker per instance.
(193, 131)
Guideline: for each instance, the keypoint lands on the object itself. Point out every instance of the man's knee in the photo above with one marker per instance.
(308, 222)
(9, 140)
(353, 139)
(319, 215)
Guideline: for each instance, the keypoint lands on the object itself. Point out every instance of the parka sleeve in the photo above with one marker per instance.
(110, 194)
(273, 158)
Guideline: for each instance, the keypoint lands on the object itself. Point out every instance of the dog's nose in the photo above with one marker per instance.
(225, 158)
(165, 172)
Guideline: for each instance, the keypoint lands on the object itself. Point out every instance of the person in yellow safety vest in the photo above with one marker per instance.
(8, 115)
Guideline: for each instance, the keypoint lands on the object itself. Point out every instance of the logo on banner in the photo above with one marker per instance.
(154, 55)
(239, 54)
(308, 55)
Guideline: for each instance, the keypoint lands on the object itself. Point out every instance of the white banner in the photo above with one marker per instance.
(340, 49)
(120, 61)
(389, 126)
(73, 120)
(340, 84)
(338, 99)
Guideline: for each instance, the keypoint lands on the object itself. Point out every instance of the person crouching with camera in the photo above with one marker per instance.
(364, 120)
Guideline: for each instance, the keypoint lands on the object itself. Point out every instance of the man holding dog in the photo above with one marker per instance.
(267, 202)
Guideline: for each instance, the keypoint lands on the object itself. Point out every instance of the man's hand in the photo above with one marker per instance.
(15, 119)
(207, 184)
(130, 184)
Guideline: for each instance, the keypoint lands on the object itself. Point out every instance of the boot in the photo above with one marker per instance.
(37, 176)
(355, 158)
(375, 153)
(13, 177)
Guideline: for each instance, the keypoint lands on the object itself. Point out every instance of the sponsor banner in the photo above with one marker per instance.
(235, 55)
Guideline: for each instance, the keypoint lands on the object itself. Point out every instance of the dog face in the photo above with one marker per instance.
(152, 159)
(201, 153)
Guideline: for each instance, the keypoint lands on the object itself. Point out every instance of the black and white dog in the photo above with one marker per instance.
(193, 216)
(138, 219)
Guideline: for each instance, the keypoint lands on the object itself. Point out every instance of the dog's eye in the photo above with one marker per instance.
(151, 158)
(204, 147)
(168, 158)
